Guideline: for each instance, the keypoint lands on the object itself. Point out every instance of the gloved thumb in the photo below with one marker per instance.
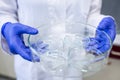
(30, 30)
(27, 29)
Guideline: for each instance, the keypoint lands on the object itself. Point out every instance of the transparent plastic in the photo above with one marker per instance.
(66, 55)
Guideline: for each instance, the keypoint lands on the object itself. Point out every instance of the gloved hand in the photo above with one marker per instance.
(13, 33)
(103, 41)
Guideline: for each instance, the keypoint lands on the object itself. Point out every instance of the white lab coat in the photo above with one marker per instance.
(37, 12)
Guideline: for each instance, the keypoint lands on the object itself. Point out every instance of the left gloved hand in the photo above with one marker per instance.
(13, 34)
(105, 35)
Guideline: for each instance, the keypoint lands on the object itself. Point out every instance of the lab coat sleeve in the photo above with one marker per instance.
(95, 15)
(8, 13)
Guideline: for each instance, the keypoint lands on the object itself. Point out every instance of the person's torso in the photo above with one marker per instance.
(37, 12)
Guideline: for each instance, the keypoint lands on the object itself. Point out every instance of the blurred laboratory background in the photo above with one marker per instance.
(110, 72)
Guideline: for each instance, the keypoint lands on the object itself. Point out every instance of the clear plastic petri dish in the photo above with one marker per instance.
(69, 53)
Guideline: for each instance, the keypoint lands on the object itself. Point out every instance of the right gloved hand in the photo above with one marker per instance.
(105, 35)
(13, 33)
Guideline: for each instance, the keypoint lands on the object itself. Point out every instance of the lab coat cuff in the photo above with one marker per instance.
(5, 47)
(94, 21)
(110, 17)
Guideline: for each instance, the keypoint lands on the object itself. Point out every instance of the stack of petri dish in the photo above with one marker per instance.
(69, 53)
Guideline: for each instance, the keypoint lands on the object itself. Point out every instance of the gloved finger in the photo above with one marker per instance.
(104, 48)
(102, 37)
(27, 29)
(24, 53)
(39, 42)
(43, 50)
(100, 48)
(93, 41)
(35, 58)
(40, 46)
(43, 46)
(93, 50)
(35, 45)
(27, 54)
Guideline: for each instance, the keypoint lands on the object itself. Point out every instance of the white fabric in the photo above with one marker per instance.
(117, 42)
(37, 12)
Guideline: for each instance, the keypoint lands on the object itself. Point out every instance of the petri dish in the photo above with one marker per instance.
(69, 53)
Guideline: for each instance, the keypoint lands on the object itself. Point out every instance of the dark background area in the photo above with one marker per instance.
(112, 7)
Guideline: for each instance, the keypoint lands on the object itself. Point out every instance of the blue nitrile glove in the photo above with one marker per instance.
(102, 41)
(13, 33)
